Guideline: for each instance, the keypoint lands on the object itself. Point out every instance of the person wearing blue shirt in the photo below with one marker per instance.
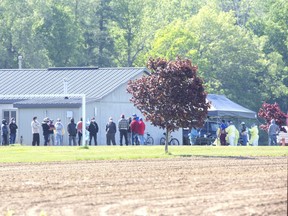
(223, 126)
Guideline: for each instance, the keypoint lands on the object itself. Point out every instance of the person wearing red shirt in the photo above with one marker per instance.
(134, 129)
(141, 130)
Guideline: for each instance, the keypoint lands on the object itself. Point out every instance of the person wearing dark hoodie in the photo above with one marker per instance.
(4, 132)
(273, 130)
(13, 129)
(46, 131)
(72, 132)
(93, 130)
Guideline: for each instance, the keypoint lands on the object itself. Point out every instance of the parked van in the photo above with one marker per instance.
(206, 134)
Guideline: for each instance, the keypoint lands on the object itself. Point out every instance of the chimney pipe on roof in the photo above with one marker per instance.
(20, 61)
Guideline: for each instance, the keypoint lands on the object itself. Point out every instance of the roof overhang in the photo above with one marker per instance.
(52, 103)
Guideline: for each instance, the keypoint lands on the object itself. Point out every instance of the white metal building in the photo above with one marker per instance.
(105, 90)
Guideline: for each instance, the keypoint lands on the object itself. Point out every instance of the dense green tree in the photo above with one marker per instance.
(239, 45)
(270, 21)
(16, 36)
(93, 19)
(226, 54)
(59, 34)
(126, 30)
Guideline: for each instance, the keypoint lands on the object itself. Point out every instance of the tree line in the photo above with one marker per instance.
(240, 46)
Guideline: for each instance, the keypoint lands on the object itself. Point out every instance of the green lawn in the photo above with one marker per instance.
(67, 153)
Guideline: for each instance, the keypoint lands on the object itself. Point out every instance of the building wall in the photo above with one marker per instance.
(112, 105)
(26, 115)
(117, 103)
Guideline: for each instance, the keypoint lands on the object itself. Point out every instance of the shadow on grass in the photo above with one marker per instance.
(12, 145)
(84, 147)
(206, 156)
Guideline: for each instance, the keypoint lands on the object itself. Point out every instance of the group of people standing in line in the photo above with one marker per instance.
(53, 133)
(131, 129)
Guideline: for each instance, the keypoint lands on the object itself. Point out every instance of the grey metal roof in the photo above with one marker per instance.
(93, 82)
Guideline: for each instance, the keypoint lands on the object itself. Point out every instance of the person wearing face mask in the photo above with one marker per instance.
(93, 130)
(13, 130)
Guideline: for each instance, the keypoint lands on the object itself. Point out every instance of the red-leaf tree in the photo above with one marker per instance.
(172, 96)
(269, 112)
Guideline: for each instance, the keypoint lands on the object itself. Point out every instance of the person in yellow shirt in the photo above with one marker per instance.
(232, 134)
(254, 135)
(217, 141)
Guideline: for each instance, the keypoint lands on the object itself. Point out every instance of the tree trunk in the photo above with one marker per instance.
(167, 136)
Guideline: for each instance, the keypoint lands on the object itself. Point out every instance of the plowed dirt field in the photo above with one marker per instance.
(182, 186)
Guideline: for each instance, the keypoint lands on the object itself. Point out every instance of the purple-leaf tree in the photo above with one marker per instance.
(272, 111)
(172, 97)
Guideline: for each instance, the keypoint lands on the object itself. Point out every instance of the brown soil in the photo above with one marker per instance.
(183, 186)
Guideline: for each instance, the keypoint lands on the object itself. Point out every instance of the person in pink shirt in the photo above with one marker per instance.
(141, 131)
(79, 130)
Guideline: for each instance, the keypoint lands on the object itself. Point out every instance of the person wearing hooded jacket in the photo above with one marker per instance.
(254, 135)
(13, 129)
(232, 134)
(72, 132)
(93, 130)
(4, 132)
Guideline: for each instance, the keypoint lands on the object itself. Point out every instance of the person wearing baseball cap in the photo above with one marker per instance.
(123, 126)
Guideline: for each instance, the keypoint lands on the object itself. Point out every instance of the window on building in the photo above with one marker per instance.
(8, 114)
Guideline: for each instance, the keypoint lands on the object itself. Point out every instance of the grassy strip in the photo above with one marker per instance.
(10, 154)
